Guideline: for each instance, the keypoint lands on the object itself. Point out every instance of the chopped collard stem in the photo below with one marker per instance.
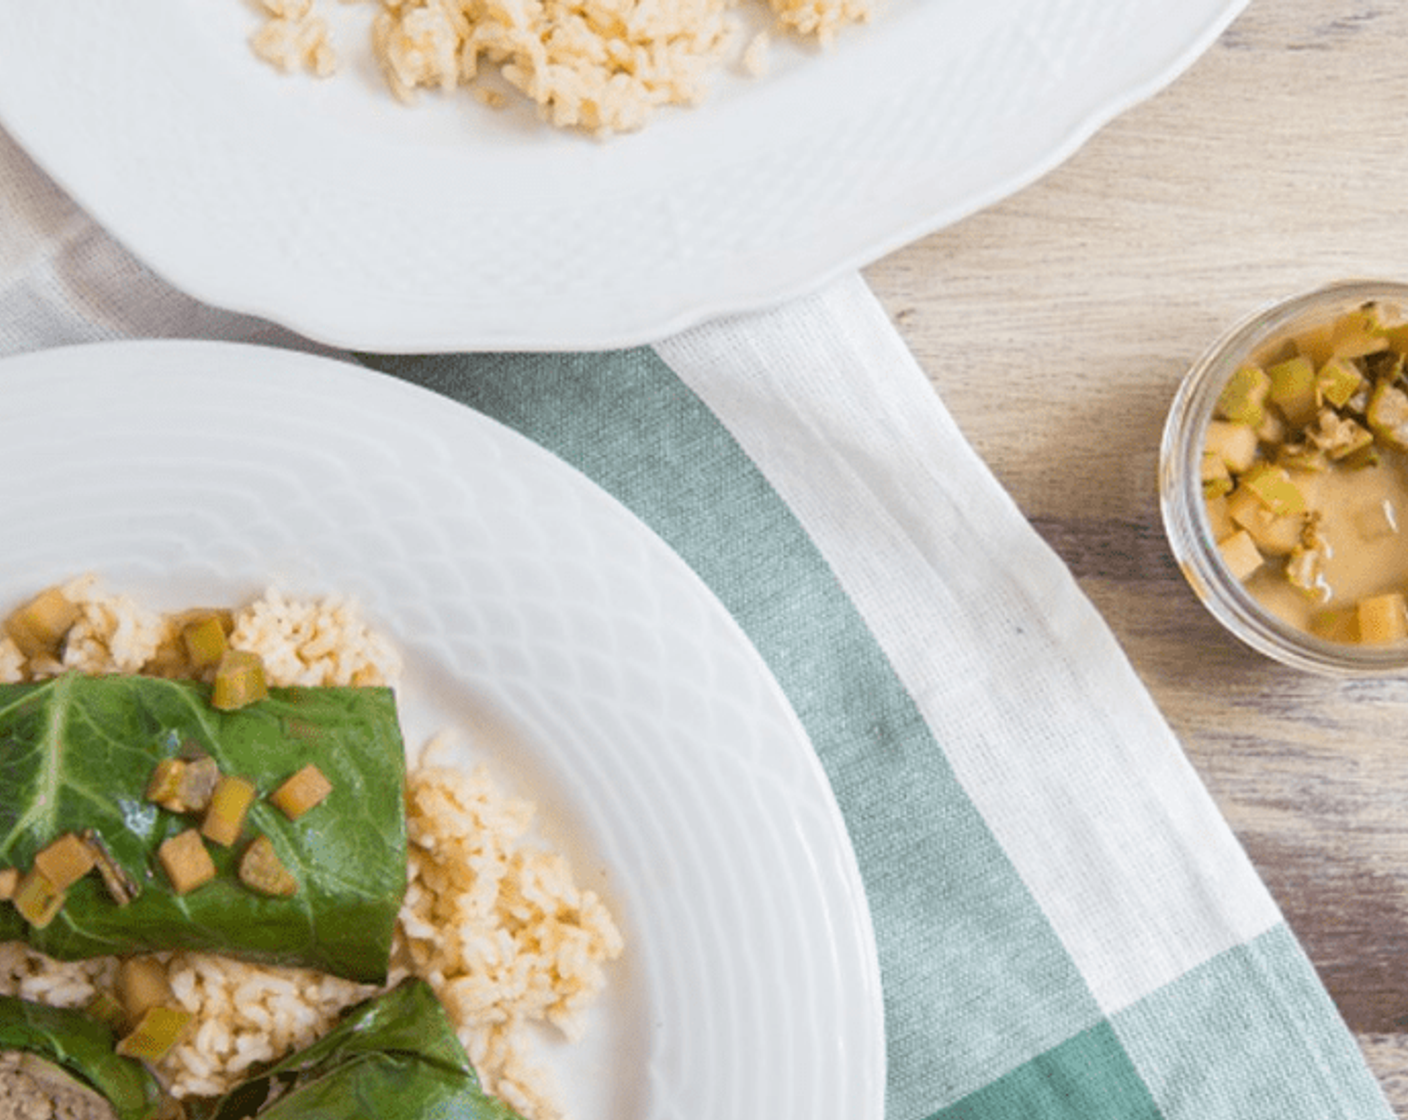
(261, 870)
(186, 862)
(165, 783)
(229, 805)
(141, 985)
(239, 680)
(158, 1030)
(469, 860)
(184, 785)
(197, 785)
(39, 626)
(119, 884)
(206, 640)
(38, 900)
(301, 792)
(65, 861)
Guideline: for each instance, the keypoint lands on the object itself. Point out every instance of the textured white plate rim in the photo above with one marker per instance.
(261, 195)
(833, 913)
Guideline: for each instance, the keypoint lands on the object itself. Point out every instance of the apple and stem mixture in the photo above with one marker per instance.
(1305, 476)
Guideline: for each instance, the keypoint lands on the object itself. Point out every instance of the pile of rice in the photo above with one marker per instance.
(603, 66)
(493, 921)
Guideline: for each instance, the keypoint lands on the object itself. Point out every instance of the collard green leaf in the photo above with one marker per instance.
(394, 1055)
(76, 753)
(83, 1048)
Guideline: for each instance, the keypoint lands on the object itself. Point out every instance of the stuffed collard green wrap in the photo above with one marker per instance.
(76, 756)
(393, 1055)
(64, 1056)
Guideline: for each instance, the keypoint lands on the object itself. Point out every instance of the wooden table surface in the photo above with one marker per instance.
(1056, 326)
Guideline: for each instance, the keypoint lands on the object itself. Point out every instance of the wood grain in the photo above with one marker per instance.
(1056, 326)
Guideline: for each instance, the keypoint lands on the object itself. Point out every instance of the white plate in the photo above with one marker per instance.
(597, 674)
(331, 208)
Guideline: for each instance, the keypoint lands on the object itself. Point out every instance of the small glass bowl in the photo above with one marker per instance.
(1181, 493)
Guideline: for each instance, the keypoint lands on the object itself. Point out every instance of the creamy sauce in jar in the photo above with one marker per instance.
(1364, 520)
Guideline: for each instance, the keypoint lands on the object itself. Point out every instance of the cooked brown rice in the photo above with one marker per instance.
(603, 66)
(492, 919)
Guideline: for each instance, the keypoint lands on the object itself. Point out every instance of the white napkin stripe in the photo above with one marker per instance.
(1047, 727)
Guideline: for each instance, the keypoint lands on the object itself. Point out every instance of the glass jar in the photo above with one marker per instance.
(1184, 510)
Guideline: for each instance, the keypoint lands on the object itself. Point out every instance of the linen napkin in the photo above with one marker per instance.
(1066, 926)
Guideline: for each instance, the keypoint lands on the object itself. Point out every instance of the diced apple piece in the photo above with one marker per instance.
(1217, 479)
(1359, 332)
(1337, 381)
(1240, 554)
(186, 862)
(1293, 389)
(1275, 534)
(1388, 415)
(1273, 485)
(1336, 624)
(1317, 343)
(1219, 520)
(1243, 398)
(1234, 444)
(40, 625)
(1383, 619)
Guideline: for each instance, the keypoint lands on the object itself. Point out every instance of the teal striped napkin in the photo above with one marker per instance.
(1066, 926)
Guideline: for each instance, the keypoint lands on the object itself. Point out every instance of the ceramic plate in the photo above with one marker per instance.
(330, 207)
(557, 640)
